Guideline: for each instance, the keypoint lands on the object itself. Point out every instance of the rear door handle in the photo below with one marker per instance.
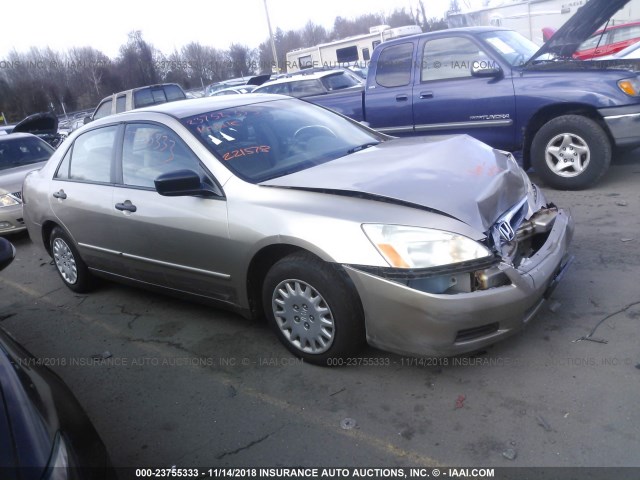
(60, 194)
(127, 206)
(402, 98)
(426, 94)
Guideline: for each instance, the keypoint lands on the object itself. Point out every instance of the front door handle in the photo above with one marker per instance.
(127, 206)
(426, 95)
(60, 194)
(402, 98)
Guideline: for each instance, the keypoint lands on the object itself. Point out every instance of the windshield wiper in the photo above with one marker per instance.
(362, 147)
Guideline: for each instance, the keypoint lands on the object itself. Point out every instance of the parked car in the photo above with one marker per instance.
(233, 82)
(137, 98)
(236, 82)
(43, 125)
(273, 206)
(565, 116)
(234, 90)
(311, 84)
(609, 41)
(632, 52)
(45, 432)
(20, 153)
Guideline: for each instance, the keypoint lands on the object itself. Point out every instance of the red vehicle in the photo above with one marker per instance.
(609, 41)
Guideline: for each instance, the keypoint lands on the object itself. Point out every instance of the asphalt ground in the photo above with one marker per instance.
(167, 382)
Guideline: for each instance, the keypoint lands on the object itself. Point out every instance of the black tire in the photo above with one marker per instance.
(324, 297)
(579, 169)
(69, 265)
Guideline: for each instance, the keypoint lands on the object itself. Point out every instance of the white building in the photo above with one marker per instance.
(530, 17)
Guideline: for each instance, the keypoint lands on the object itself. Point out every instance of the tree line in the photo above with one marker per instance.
(42, 79)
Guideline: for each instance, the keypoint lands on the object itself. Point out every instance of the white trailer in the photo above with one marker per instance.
(349, 51)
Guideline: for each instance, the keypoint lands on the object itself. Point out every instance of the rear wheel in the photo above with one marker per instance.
(69, 264)
(571, 152)
(314, 310)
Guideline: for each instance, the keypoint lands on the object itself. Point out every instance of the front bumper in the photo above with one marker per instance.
(408, 321)
(11, 219)
(624, 124)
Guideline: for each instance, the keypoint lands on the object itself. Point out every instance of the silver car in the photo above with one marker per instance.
(275, 207)
(20, 153)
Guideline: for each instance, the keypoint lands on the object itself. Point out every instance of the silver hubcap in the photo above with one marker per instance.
(65, 261)
(303, 316)
(567, 155)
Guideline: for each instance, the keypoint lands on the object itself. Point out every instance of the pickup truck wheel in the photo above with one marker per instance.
(313, 309)
(571, 152)
(69, 264)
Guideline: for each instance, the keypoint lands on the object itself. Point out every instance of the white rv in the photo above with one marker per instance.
(350, 51)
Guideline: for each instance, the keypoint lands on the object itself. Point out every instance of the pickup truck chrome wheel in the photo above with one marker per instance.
(571, 152)
(567, 155)
(69, 264)
(314, 308)
(303, 316)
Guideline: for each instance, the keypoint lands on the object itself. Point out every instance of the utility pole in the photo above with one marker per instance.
(273, 43)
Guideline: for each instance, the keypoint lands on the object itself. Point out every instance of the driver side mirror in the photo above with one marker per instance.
(184, 183)
(485, 69)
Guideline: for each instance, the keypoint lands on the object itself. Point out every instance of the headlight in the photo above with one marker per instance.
(8, 200)
(415, 247)
(630, 86)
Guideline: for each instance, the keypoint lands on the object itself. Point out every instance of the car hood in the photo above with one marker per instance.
(579, 27)
(456, 176)
(11, 179)
(38, 124)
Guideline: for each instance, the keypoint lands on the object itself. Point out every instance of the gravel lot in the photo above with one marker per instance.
(188, 385)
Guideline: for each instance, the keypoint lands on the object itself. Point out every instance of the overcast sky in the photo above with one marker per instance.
(172, 24)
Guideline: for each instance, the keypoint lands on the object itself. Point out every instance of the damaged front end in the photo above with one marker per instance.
(515, 239)
(462, 307)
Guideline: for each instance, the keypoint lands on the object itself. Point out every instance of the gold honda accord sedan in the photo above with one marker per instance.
(274, 207)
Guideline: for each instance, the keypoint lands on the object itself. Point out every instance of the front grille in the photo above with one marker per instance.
(18, 195)
(512, 219)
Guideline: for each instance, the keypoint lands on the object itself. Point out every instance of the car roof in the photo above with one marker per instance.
(616, 27)
(194, 106)
(10, 136)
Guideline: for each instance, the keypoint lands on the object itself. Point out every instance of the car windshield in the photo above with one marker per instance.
(258, 142)
(338, 80)
(511, 46)
(16, 152)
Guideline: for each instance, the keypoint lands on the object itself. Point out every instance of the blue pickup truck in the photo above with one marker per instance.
(566, 116)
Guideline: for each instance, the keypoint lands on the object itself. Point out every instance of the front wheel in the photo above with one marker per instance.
(313, 309)
(571, 152)
(69, 264)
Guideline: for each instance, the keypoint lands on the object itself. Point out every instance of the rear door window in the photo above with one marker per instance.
(121, 103)
(394, 65)
(90, 157)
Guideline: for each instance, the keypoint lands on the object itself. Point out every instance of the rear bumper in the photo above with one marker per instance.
(407, 321)
(624, 124)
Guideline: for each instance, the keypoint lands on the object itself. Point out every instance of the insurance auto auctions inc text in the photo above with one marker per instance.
(352, 473)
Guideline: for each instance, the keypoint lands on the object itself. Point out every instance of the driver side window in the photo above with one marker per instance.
(449, 58)
(150, 150)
